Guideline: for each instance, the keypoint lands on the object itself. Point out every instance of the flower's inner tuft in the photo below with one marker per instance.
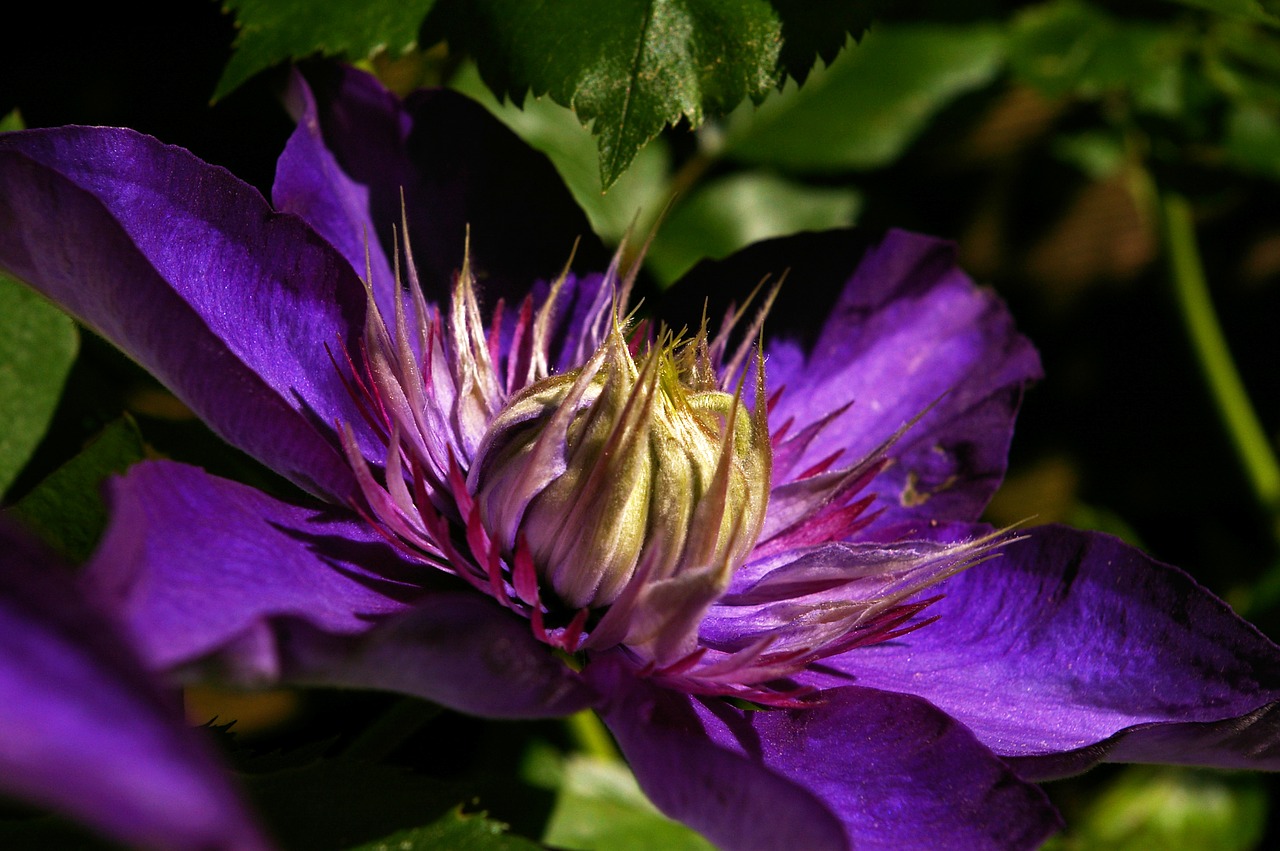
(613, 486)
(628, 469)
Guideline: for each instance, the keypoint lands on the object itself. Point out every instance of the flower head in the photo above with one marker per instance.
(509, 470)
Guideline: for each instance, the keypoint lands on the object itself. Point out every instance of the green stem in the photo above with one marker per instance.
(1238, 417)
(592, 737)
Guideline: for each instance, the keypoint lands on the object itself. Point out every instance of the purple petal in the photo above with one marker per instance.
(189, 271)
(908, 334)
(194, 564)
(1070, 648)
(458, 167)
(85, 732)
(864, 769)
(204, 570)
(911, 331)
(460, 650)
(311, 184)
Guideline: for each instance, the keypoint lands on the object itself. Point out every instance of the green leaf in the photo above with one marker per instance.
(275, 31)
(67, 508)
(12, 121)
(1173, 809)
(819, 29)
(554, 130)
(721, 217)
(38, 344)
(865, 108)
(454, 832)
(600, 808)
(628, 67)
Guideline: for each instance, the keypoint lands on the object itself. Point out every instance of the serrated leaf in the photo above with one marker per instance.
(600, 808)
(455, 831)
(735, 211)
(275, 31)
(38, 344)
(866, 107)
(628, 67)
(819, 29)
(67, 508)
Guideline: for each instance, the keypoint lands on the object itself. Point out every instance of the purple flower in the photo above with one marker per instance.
(84, 729)
(768, 564)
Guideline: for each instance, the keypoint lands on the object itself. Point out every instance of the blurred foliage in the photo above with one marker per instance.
(37, 347)
(1170, 808)
(599, 807)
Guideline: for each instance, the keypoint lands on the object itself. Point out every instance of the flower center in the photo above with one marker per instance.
(626, 471)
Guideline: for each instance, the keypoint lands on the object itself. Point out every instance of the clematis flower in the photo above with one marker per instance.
(752, 544)
(85, 730)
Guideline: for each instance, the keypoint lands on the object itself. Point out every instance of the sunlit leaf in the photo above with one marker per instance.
(600, 808)
(275, 31)
(38, 344)
(67, 508)
(733, 212)
(863, 110)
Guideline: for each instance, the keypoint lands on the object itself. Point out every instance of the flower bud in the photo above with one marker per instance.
(626, 470)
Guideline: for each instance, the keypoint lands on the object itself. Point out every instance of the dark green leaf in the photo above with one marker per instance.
(454, 831)
(600, 808)
(67, 508)
(722, 217)
(38, 343)
(628, 67)
(275, 31)
(813, 29)
(863, 110)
